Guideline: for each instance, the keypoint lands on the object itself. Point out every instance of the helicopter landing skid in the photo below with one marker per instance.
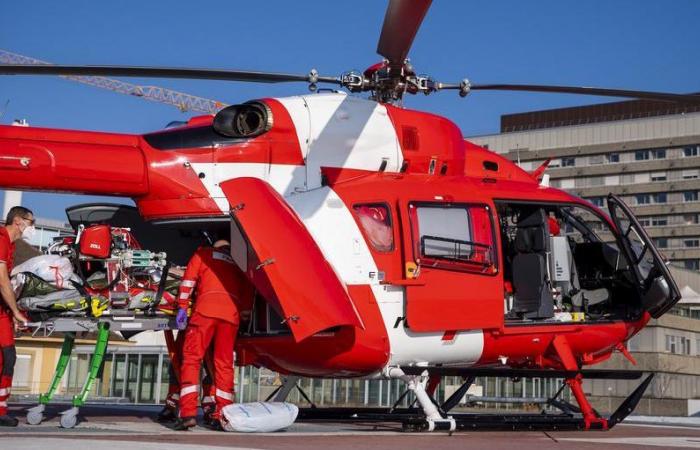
(413, 420)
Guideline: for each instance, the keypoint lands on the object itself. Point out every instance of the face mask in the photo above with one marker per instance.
(29, 233)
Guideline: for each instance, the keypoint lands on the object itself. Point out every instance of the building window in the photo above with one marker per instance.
(643, 199)
(661, 242)
(671, 343)
(691, 151)
(685, 345)
(658, 154)
(660, 221)
(596, 181)
(567, 183)
(644, 177)
(596, 159)
(660, 197)
(597, 201)
(612, 180)
(690, 174)
(690, 219)
(691, 264)
(568, 161)
(23, 371)
(613, 157)
(376, 222)
(677, 344)
(644, 221)
(658, 176)
(691, 243)
(641, 155)
(690, 196)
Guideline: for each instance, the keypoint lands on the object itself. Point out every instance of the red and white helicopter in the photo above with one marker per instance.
(381, 243)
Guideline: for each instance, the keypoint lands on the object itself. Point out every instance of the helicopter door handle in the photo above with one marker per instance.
(267, 262)
(292, 318)
(15, 162)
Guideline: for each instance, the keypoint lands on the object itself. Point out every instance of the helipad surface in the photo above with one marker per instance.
(112, 428)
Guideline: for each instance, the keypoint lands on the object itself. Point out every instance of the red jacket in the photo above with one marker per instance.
(7, 257)
(220, 285)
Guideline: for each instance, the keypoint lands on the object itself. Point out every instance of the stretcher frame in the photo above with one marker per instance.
(102, 325)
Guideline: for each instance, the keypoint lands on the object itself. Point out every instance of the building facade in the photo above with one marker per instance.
(652, 163)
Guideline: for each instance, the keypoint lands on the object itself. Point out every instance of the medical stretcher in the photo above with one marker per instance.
(99, 282)
(70, 327)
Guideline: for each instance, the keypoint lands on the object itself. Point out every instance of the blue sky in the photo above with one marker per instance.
(635, 44)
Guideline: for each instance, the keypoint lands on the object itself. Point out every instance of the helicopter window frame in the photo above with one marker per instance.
(489, 267)
(373, 243)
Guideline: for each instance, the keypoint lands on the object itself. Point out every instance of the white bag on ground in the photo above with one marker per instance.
(55, 269)
(259, 417)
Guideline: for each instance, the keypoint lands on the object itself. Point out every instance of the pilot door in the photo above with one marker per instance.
(656, 284)
(452, 265)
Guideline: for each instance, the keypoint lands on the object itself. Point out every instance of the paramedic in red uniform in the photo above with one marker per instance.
(19, 224)
(220, 286)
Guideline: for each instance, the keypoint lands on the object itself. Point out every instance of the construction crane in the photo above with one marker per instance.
(184, 102)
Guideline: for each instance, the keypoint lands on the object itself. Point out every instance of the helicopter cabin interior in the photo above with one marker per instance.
(561, 262)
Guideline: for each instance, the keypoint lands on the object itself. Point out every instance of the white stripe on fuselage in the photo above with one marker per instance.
(409, 348)
(338, 130)
(285, 179)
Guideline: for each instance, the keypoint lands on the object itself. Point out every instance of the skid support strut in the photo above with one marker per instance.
(35, 415)
(591, 418)
(417, 384)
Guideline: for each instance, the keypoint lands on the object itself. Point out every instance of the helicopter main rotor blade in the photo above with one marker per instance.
(401, 23)
(163, 72)
(625, 93)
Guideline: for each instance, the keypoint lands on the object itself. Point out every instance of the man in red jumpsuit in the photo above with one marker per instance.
(19, 224)
(221, 286)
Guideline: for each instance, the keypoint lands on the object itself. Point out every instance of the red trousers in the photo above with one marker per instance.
(202, 331)
(173, 398)
(8, 356)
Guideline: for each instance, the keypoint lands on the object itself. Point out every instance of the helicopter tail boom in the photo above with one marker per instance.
(44, 159)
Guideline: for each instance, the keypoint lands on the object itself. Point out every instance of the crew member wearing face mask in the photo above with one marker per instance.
(19, 224)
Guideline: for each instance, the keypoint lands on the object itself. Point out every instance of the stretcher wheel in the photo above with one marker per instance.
(35, 417)
(69, 420)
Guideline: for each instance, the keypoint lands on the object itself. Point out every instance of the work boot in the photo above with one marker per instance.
(185, 423)
(166, 415)
(215, 425)
(7, 421)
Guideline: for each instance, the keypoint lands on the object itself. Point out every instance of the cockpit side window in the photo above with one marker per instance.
(456, 237)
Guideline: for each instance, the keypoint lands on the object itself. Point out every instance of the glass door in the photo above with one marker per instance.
(656, 285)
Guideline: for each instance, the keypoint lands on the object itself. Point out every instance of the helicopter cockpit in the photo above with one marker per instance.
(563, 262)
